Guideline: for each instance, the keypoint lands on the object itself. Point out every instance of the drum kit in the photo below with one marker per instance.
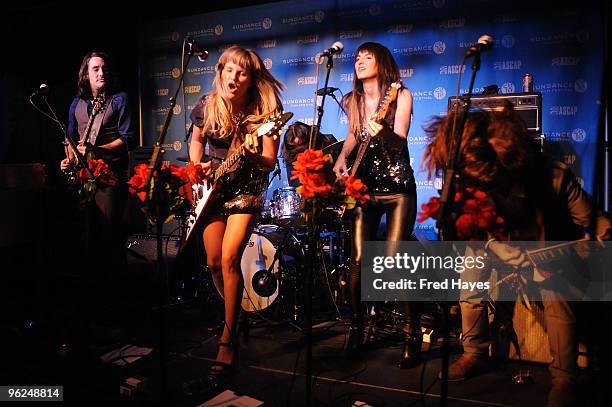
(274, 256)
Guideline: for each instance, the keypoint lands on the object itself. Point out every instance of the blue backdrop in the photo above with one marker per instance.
(561, 47)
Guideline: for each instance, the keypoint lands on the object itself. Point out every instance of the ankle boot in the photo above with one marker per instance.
(411, 349)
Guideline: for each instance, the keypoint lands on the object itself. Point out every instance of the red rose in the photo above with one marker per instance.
(356, 188)
(430, 209)
(311, 160)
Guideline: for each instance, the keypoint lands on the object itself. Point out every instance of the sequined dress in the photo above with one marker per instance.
(242, 190)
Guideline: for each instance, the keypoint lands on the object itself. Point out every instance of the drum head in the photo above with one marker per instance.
(260, 287)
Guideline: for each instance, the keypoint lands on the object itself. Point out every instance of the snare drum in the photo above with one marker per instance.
(285, 204)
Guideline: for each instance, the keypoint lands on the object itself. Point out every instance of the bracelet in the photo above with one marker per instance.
(486, 247)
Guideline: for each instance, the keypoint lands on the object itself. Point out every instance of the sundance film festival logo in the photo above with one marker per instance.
(451, 69)
(580, 85)
(422, 95)
(560, 136)
(298, 102)
(176, 146)
(508, 41)
(174, 73)
(346, 35)
(317, 17)
(438, 183)
(265, 24)
(374, 10)
(418, 140)
(306, 80)
(507, 65)
(266, 44)
(565, 61)
(206, 32)
(476, 89)
(452, 23)
(508, 87)
(406, 73)
(554, 87)
(400, 29)
(202, 70)
(564, 110)
(299, 61)
(439, 47)
(424, 184)
(578, 135)
(308, 39)
(177, 110)
(439, 93)
(419, 5)
(267, 63)
(580, 36)
(507, 18)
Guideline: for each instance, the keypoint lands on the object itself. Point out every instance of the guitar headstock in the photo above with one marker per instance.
(274, 126)
(390, 97)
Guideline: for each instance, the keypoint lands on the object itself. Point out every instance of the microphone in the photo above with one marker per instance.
(199, 52)
(484, 43)
(336, 48)
(42, 90)
(326, 91)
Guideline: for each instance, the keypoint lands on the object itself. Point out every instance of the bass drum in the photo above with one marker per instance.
(265, 263)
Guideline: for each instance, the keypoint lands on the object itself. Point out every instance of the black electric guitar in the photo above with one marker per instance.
(381, 113)
(205, 192)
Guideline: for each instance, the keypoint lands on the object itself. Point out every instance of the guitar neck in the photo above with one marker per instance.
(550, 253)
(229, 163)
(360, 153)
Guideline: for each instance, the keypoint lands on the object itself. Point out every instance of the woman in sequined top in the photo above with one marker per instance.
(244, 94)
(386, 171)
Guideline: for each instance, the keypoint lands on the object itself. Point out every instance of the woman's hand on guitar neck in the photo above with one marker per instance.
(207, 167)
(340, 168)
(510, 255)
(251, 143)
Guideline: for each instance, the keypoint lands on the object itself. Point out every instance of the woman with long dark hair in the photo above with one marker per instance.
(389, 178)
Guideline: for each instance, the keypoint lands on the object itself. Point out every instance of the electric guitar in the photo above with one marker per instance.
(205, 192)
(381, 113)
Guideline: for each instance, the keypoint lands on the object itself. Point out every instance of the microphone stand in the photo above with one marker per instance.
(444, 224)
(155, 164)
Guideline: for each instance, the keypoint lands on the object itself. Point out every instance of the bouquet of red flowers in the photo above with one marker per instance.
(96, 175)
(172, 186)
(310, 168)
(473, 213)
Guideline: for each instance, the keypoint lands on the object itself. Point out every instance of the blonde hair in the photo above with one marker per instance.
(263, 95)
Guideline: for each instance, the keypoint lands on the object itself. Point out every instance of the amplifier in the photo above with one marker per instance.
(143, 248)
(527, 105)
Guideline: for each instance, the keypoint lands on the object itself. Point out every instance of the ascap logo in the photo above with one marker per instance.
(439, 3)
(192, 89)
(299, 61)
(554, 87)
(569, 159)
(507, 87)
(306, 80)
(374, 9)
(507, 65)
(400, 29)
(306, 120)
(266, 44)
(218, 30)
(202, 70)
(439, 47)
(565, 61)
(267, 23)
(451, 69)
(351, 34)
(308, 39)
(267, 63)
(177, 110)
(508, 41)
(439, 93)
(578, 135)
(580, 85)
(162, 92)
(507, 18)
(564, 110)
(299, 102)
(452, 23)
(406, 73)
(317, 16)
(346, 77)
(176, 73)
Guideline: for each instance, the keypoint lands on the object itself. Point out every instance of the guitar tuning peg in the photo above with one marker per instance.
(275, 137)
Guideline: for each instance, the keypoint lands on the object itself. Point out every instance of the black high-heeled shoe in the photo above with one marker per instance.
(355, 339)
(411, 350)
(219, 375)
